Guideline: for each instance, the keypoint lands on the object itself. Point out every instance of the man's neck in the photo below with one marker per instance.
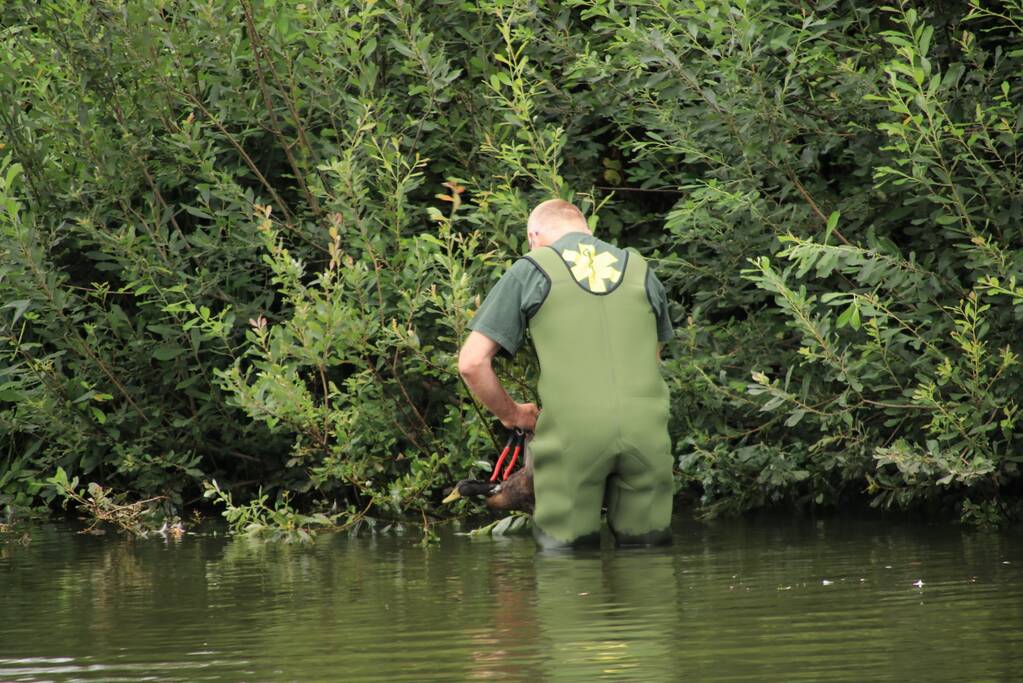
(569, 231)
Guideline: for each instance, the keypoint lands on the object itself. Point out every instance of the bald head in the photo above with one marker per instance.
(552, 219)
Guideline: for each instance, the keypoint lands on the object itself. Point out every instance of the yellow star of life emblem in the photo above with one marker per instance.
(592, 268)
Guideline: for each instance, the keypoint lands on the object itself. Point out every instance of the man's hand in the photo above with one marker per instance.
(523, 417)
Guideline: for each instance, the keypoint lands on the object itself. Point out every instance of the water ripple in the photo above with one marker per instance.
(732, 601)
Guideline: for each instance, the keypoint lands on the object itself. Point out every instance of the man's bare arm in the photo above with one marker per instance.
(476, 368)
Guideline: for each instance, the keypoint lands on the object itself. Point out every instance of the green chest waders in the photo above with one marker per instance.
(603, 427)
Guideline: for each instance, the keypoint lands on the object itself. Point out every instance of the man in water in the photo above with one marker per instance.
(597, 315)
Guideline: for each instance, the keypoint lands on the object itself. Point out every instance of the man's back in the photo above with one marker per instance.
(597, 346)
(603, 428)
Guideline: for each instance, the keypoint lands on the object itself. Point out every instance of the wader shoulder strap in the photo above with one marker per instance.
(549, 261)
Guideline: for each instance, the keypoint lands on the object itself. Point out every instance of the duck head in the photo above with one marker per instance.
(470, 488)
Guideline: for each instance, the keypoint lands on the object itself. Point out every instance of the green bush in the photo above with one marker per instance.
(242, 240)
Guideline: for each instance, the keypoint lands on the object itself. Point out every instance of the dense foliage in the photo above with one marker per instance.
(241, 241)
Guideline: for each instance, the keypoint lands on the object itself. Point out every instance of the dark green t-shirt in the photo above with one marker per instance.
(518, 295)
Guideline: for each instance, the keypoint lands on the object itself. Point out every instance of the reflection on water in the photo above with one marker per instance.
(753, 600)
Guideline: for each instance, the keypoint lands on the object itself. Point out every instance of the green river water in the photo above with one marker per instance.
(765, 599)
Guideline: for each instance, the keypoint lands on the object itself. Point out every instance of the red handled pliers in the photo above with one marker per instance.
(516, 439)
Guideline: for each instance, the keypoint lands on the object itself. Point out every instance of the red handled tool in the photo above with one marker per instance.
(520, 442)
(516, 439)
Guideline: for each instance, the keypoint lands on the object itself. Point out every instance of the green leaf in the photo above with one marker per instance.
(168, 351)
(60, 478)
(925, 39)
(19, 307)
(846, 315)
(502, 527)
(11, 395)
(198, 213)
(832, 224)
(795, 417)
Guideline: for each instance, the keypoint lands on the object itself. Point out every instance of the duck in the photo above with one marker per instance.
(514, 493)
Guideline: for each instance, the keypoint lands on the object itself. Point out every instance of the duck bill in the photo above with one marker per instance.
(452, 497)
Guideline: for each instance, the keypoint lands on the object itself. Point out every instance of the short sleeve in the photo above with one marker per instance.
(504, 315)
(659, 302)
